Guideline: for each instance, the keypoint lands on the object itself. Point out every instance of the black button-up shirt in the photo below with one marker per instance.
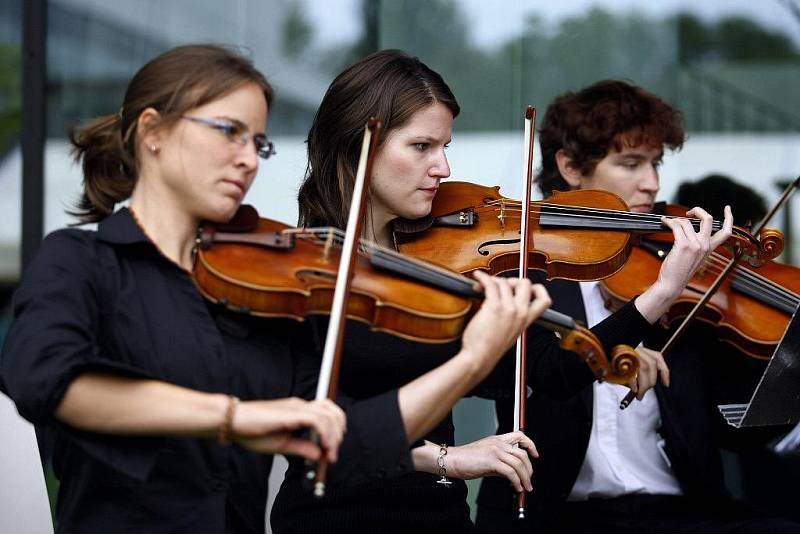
(110, 301)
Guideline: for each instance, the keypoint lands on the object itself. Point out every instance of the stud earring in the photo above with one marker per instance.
(153, 149)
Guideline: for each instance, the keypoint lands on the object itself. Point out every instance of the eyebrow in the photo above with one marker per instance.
(429, 139)
(240, 122)
(639, 157)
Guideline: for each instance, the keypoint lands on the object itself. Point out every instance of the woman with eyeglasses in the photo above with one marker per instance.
(167, 408)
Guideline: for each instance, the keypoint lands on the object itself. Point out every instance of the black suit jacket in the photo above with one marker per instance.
(691, 426)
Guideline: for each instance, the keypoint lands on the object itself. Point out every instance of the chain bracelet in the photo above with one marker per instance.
(442, 466)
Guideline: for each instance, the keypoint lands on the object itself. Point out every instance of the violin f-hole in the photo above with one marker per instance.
(483, 246)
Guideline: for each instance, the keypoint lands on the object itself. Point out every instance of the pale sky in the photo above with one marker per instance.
(336, 20)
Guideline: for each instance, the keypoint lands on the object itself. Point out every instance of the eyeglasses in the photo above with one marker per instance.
(238, 133)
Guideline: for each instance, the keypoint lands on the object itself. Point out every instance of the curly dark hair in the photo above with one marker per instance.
(588, 123)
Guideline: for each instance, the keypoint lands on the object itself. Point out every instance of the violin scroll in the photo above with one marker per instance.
(770, 246)
(624, 362)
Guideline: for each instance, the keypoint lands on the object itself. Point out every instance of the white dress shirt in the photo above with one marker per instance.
(625, 453)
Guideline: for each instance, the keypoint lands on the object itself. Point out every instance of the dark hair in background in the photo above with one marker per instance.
(173, 83)
(588, 123)
(715, 191)
(389, 85)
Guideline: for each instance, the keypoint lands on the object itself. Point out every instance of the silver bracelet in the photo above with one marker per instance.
(442, 469)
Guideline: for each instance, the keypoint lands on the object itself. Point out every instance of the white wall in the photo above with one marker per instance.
(24, 508)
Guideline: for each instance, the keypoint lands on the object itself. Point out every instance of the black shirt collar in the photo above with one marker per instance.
(121, 228)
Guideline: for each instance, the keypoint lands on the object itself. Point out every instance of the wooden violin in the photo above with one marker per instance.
(750, 309)
(269, 269)
(575, 235)
(266, 268)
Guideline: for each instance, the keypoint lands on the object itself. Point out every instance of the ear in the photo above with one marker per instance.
(148, 132)
(568, 171)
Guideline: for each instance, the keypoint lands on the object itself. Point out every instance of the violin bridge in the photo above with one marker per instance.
(326, 251)
(502, 216)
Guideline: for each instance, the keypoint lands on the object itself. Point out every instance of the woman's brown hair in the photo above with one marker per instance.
(588, 123)
(173, 83)
(389, 85)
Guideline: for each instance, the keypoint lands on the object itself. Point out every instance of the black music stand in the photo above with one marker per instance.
(776, 400)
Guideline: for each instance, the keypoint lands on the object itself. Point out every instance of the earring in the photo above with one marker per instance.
(153, 149)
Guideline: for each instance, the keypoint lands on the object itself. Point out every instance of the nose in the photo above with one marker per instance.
(247, 155)
(649, 181)
(440, 167)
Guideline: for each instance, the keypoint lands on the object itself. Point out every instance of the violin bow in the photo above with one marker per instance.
(521, 382)
(676, 335)
(332, 354)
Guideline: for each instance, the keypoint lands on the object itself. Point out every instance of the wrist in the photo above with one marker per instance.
(441, 463)
(655, 301)
(225, 432)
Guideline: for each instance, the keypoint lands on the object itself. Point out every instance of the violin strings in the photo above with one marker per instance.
(748, 279)
(755, 285)
(718, 260)
(649, 220)
(753, 280)
(542, 206)
(396, 257)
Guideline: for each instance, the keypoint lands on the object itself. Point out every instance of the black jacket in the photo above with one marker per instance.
(692, 427)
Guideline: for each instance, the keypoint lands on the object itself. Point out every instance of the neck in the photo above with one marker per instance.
(378, 228)
(165, 222)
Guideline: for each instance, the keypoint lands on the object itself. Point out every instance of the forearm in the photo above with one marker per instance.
(119, 405)
(655, 301)
(427, 400)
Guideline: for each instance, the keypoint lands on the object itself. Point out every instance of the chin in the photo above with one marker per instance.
(418, 212)
(221, 213)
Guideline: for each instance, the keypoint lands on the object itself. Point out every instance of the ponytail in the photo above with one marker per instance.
(109, 168)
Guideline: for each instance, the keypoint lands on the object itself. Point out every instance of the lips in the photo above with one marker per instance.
(642, 208)
(239, 185)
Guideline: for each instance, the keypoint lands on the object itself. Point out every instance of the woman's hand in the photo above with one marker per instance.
(269, 427)
(651, 366)
(508, 456)
(511, 305)
(689, 251)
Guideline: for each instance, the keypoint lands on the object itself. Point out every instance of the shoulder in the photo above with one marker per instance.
(66, 254)
(69, 244)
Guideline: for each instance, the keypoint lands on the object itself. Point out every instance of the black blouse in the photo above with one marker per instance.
(414, 502)
(108, 301)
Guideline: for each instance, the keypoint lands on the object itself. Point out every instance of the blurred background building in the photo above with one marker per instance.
(731, 66)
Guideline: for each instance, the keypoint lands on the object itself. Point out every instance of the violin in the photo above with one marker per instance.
(269, 269)
(575, 235)
(750, 309)
(266, 268)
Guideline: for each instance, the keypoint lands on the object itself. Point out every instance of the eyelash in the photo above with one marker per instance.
(656, 164)
(424, 146)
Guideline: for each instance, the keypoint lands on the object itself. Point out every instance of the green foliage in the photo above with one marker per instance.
(731, 39)
(494, 85)
(10, 95)
(297, 31)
